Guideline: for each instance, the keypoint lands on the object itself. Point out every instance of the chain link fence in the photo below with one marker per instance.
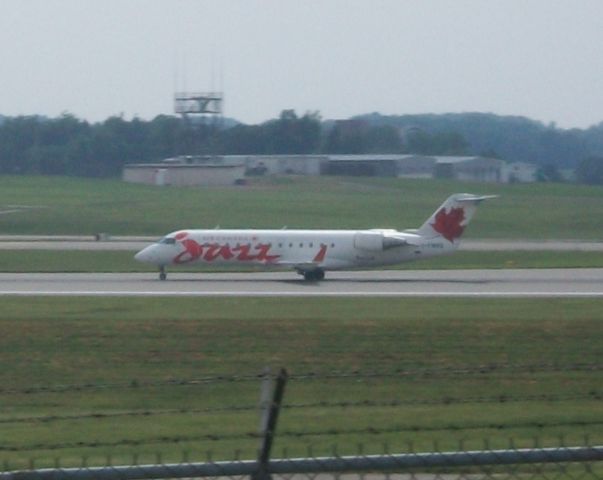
(541, 447)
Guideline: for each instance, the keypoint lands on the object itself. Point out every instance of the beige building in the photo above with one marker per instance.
(185, 175)
(416, 166)
(232, 169)
(283, 164)
(471, 169)
(520, 172)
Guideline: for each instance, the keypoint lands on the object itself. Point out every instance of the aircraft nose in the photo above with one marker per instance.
(145, 255)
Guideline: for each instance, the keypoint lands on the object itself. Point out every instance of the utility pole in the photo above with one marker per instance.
(270, 402)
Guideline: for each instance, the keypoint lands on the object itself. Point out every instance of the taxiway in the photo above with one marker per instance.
(412, 283)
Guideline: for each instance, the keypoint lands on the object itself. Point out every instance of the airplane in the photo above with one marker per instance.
(312, 252)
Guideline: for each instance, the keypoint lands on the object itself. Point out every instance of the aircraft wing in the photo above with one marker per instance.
(300, 266)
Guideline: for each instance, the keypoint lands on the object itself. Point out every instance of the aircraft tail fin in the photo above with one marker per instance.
(451, 218)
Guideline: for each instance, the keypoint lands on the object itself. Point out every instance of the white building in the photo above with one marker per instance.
(282, 164)
(232, 169)
(520, 172)
(471, 169)
(184, 172)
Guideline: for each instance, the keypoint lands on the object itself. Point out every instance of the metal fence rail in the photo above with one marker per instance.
(352, 464)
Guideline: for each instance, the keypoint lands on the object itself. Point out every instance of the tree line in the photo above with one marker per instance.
(70, 146)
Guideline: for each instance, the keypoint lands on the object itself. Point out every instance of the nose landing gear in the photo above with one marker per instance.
(162, 274)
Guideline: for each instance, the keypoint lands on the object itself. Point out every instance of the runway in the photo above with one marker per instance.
(400, 283)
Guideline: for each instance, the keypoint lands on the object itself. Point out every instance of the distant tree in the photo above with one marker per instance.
(17, 135)
(69, 146)
(383, 139)
(590, 170)
(489, 153)
(347, 137)
(513, 138)
(244, 140)
(291, 134)
(164, 135)
(81, 159)
(439, 143)
(46, 160)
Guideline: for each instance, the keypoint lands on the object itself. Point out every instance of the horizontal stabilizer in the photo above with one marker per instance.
(475, 198)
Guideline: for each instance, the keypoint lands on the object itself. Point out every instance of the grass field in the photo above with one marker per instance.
(86, 207)
(102, 377)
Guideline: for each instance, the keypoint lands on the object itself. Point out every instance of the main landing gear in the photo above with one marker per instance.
(313, 275)
(162, 274)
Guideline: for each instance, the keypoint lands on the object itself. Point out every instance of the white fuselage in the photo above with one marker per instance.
(326, 249)
(312, 252)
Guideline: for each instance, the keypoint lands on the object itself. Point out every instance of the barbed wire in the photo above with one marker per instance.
(455, 371)
(356, 374)
(298, 434)
(444, 401)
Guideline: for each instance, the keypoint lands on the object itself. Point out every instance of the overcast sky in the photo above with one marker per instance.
(95, 58)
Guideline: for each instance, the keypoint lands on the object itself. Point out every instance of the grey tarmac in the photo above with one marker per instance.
(510, 283)
(136, 243)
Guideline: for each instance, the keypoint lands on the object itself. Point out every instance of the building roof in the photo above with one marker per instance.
(450, 160)
(371, 157)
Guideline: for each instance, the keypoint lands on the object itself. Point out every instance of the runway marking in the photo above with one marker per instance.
(19, 293)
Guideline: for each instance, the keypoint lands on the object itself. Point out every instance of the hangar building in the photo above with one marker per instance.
(186, 171)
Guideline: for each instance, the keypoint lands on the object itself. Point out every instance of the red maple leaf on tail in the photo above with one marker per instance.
(449, 224)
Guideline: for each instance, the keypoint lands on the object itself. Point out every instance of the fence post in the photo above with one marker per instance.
(271, 399)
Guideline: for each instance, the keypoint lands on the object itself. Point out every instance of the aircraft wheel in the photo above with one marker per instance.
(162, 274)
(314, 275)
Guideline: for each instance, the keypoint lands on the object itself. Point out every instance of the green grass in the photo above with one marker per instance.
(116, 261)
(86, 207)
(121, 358)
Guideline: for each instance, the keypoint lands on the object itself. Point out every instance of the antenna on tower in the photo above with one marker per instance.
(201, 112)
(204, 104)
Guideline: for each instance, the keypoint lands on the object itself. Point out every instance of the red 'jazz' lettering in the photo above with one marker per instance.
(212, 251)
(215, 250)
(192, 250)
(244, 253)
(263, 253)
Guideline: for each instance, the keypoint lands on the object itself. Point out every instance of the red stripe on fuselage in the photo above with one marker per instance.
(320, 256)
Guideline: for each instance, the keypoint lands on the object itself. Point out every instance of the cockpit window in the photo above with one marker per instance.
(168, 241)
